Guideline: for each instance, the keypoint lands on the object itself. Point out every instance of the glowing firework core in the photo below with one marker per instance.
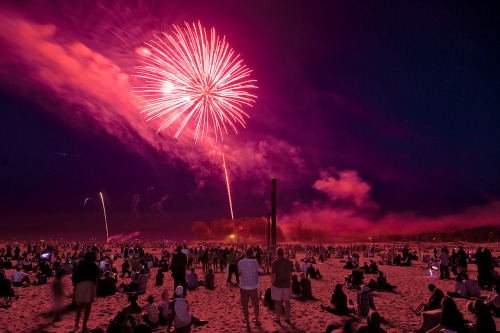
(196, 77)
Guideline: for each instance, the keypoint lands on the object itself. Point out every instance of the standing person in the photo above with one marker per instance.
(248, 269)
(178, 268)
(232, 260)
(85, 281)
(445, 262)
(281, 276)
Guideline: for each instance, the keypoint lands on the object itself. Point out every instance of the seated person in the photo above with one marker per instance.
(433, 303)
(373, 321)
(46, 269)
(494, 302)
(364, 302)
(38, 277)
(296, 290)
(126, 269)
(159, 277)
(107, 268)
(348, 265)
(182, 317)
(382, 282)
(107, 285)
(67, 267)
(339, 302)
(459, 290)
(268, 301)
(127, 319)
(140, 283)
(5, 286)
(313, 273)
(192, 280)
(373, 267)
(484, 320)
(472, 287)
(297, 266)
(133, 312)
(20, 279)
(164, 309)
(450, 318)
(305, 286)
(366, 268)
(210, 280)
(303, 267)
(355, 280)
(407, 262)
(152, 316)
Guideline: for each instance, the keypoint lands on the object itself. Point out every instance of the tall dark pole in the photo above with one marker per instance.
(273, 212)
(268, 230)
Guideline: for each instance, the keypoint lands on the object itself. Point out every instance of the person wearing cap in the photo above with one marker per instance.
(182, 316)
(248, 269)
(281, 277)
(365, 302)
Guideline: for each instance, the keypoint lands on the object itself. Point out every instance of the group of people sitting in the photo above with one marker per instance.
(440, 312)
(364, 308)
(302, 288)
(170, 312)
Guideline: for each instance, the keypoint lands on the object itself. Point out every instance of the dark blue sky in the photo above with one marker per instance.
(406, 94)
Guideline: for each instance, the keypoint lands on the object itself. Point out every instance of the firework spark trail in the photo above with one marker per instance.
(227, 183)
(105, 219)
(192, 77)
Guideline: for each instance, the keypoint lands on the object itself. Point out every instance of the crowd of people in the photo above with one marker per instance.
(94, 273)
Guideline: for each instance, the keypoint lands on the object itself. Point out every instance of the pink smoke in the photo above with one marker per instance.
(339, 220)
(123, 238)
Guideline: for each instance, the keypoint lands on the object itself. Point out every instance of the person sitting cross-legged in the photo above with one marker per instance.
(459, 290)
(192, 280)
(364, 302)
(20, 279)
(339, 302)
(152, 316)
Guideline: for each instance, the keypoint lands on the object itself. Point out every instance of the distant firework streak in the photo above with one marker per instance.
(105, 219)
(227, 183)
(192, 77)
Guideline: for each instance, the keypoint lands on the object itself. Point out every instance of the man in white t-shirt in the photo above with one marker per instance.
(248, 269)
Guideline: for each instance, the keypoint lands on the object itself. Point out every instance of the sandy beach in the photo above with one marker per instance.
(221, 307)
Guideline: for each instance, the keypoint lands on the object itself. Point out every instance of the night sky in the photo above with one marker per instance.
(371, 116)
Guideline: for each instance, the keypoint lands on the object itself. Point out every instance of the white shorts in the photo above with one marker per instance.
(280, 294)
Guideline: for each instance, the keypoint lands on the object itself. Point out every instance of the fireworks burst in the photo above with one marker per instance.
(192, 77)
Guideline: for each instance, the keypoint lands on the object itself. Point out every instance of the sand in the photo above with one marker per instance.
(31, 312)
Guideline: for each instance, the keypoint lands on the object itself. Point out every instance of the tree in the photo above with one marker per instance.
(201, 231)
